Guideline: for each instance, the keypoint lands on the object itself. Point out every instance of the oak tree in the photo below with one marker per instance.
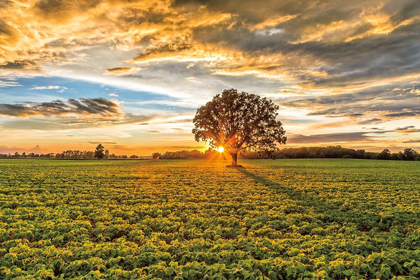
(100, 152)
(239, 121)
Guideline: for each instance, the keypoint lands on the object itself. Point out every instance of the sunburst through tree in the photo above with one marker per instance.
(235, 122)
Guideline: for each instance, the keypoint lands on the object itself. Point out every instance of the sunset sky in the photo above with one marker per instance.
(131, 74)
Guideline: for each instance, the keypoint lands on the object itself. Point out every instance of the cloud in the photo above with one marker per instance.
(153, 131)
(185, 147)
(121, 71)
(14, 149)
(405, 127)
(60, 88)
(408, 129)
(412, 141)
(357, 60)
(394, 101)
(83, 107)
(104, 142)
(334, 137)
(9, 83)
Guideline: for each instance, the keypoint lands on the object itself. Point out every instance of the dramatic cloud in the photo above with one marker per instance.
(59, 108)
(356, 62)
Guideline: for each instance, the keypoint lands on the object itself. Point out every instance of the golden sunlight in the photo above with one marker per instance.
(220, 149)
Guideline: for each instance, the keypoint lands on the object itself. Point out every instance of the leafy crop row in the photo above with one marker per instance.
(285, 219)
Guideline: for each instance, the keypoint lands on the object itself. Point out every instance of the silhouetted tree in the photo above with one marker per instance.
(409, 154)
(156, 155)
(239, 121)
(99, 151)
(385, 154)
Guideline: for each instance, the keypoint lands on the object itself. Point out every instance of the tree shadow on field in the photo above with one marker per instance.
(293, 194)
(331, 212)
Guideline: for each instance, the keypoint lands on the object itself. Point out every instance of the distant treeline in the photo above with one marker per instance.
(183, 154)
(338, 152)
(72, 154)
(304, 152)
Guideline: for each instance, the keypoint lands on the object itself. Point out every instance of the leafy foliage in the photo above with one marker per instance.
(99, 151)
(238, 121)
(286, 219)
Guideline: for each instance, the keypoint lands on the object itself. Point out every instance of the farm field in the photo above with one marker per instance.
(197, 219)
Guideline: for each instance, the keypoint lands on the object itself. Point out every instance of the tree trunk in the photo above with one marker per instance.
(234, 159)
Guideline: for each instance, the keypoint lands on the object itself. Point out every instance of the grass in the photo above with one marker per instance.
(197, 219)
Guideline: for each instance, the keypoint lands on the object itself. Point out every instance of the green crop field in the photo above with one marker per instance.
(195, 219)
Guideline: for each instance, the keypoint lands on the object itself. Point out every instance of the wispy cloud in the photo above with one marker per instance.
(121, 71)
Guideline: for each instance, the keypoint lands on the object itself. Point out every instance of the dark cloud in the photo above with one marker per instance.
(331, 36)
(403, 114)
(412, 141)
(119, 69)
(59, 108)
(371, 121)
(59, 10)
(5, 29)
(406, 127)
(5, 3)
(126, 70)
(20, 65)
(159, 50)
(368, 106)
(373, 128)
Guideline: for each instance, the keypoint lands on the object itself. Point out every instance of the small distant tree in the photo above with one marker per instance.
(156, 155)
(100, 152)
(409, 154)
(361, 153)
(239, 121)
(385, 154)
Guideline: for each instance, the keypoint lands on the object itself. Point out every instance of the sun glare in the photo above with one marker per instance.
(220, 149)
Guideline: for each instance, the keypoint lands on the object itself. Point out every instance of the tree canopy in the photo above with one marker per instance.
(100, 151)
(239, 121)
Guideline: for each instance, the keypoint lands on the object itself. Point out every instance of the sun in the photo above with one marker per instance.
(220, 149)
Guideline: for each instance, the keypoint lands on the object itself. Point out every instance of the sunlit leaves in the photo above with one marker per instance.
(288, 219)
(238, 121)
